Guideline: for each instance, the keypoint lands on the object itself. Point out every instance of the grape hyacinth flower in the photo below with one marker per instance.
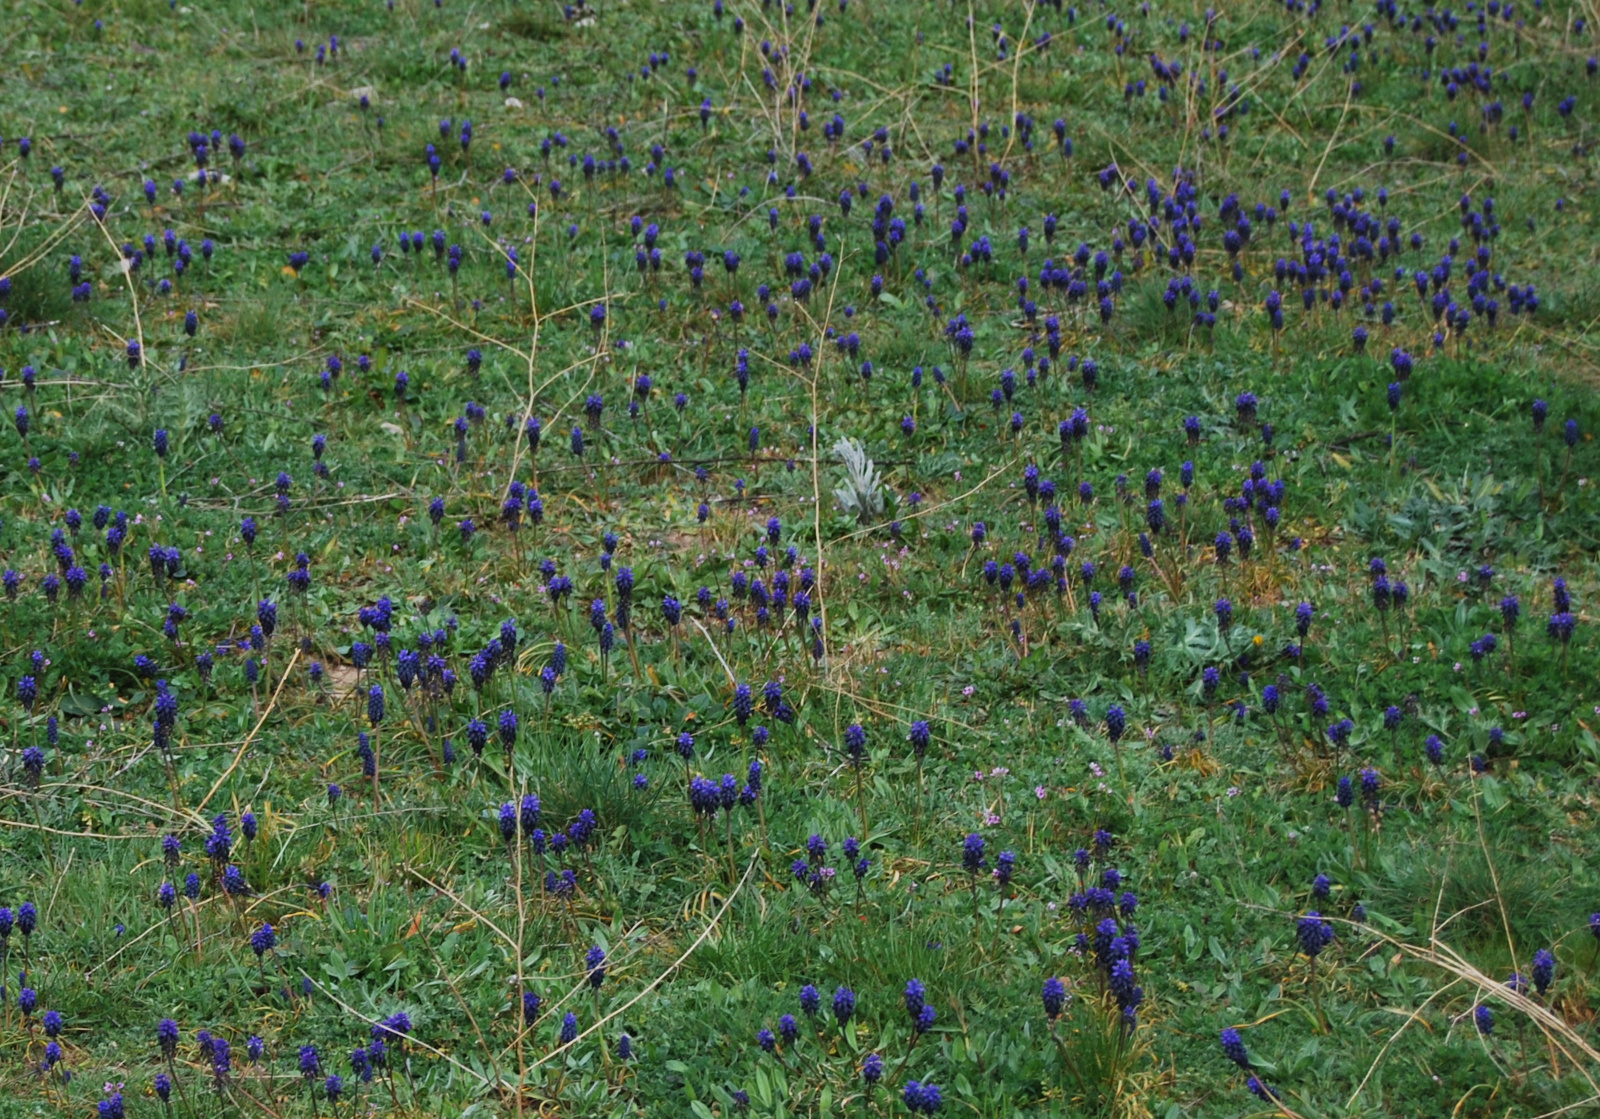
(1544, 970)
(844, 1005)
(1314, 935)
(1054, 995)
(920, 1098)
(1234, 1049)
(915, 996)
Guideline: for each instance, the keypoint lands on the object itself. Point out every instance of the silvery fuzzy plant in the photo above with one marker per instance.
(862, 493)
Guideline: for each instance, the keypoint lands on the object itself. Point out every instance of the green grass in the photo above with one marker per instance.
(1220, 823)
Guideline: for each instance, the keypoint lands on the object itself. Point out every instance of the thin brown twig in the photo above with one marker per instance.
(249, 738)
(672, 967)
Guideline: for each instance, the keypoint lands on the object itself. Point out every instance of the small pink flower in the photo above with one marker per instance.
(1040, 791)
(968, 690)
(990, 820)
